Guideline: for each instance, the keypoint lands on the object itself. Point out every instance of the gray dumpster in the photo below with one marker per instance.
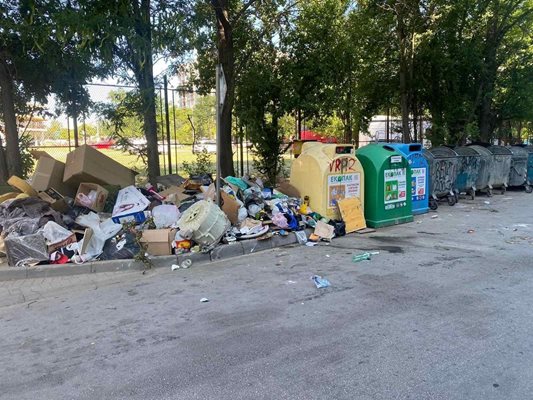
(484, 177)
(518, 174)
(468, 165)
(501, 167)
(443, 171)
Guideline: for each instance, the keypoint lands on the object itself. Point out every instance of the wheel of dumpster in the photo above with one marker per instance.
(433, 205)
(529, 188)
(451, 200)
(489, 192)
(456, 196)
(473, 194)
(504, 189)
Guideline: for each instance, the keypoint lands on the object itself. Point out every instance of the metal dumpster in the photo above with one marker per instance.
(519, 167)
(501, 167)
(443, 171)
(484, 177)
(468, 165)
(529, 187)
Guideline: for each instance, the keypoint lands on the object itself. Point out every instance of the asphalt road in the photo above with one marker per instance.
(443, 312)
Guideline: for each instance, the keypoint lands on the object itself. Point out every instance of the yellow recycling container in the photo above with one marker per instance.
(327, 173)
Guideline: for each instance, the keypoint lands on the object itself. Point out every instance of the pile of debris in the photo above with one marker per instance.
(90, 209)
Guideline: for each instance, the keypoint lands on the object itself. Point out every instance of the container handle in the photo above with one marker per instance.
(388, 148)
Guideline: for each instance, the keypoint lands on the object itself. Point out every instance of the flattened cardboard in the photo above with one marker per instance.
(325, 231)
(288, 189)
(352, 214)
(230, 206)
(49, 174)
(63, 243)
(176, 191)
(101, 196)
(86, 164)
(158, 241)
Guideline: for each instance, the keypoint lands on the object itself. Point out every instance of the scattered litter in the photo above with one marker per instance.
(320, 282)
(291, 282)
(365, 230)
(364, 256)
(486, 202)
(204, 300)
(174, 267)
(187, 263)
(434, 216)
(311, 244)
(327, 255)
(470, 231)
(301, 237)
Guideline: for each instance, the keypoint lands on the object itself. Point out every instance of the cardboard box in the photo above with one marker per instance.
(63, 243)
(49, 174)
(96, 193)
(130, 206)
(56, 200)
(86, 164)
(158, 241)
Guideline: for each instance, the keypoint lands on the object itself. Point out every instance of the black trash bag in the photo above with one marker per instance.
(340, 227)
(204, 179)
(121, 247)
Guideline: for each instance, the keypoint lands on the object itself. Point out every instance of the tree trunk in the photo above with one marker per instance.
(145, 77)
(75, 129)
(488, 80)
(12, 159)
(226, 57)
(404, 96)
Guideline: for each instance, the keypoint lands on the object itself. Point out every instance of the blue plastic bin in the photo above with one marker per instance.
(419, 175)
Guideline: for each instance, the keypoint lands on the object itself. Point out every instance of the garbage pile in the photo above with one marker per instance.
(89, 208)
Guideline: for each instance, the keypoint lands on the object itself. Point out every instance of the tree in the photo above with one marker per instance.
(126, 35)
(228, 32)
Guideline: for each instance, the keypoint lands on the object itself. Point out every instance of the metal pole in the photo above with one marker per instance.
(68, 133)
(242, 151)
(167, 122)
(217, 182)
(175, 134)
(387, 129)
(162, 130)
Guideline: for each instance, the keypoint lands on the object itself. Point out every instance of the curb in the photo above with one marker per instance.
(221, 252)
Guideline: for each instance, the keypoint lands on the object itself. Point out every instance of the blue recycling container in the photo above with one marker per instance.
(419, 175)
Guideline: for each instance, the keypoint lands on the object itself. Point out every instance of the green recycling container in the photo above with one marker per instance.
(387, 186)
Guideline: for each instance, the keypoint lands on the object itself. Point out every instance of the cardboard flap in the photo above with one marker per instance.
(352, 214)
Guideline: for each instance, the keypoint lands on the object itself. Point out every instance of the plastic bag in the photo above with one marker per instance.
(26, 251)
(92, 244)
(54, 233)
(124, 247)
(165, 216)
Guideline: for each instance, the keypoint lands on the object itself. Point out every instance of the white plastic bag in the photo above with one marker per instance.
(55, 233)
(165, 216)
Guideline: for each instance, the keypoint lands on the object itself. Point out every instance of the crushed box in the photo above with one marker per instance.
(86, 164)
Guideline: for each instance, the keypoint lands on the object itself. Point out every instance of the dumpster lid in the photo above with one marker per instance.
(519, 151)
(466, 151)
(442, 152)
(481, 150)
(500, 150)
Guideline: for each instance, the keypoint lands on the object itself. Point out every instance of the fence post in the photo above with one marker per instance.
(167, 122)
